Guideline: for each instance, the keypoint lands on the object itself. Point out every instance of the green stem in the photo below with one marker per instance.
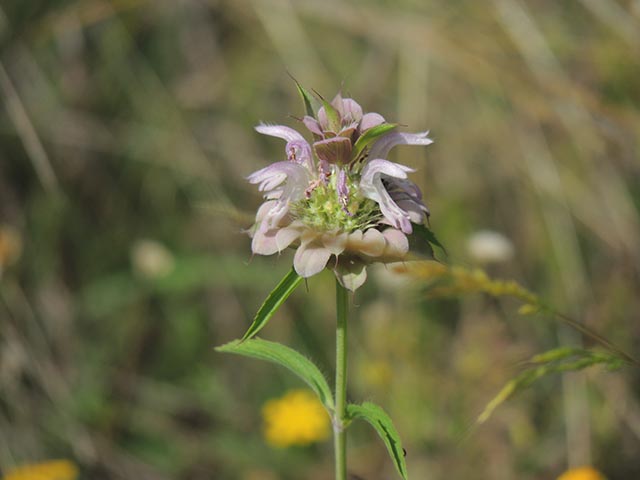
(339, 419)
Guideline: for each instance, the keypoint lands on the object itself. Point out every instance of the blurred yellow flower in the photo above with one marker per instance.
(10, 246)
(582, 473)
(52, 470)
(297, 418)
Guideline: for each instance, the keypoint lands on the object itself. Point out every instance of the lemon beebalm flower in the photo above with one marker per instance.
(582, 473)
(52, 470)
(338, 200)
(297, 418)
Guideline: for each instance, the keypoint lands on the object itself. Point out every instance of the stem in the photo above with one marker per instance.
(339, 434)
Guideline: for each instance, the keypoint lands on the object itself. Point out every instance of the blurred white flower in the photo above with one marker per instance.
(151, 259)
(487, 246)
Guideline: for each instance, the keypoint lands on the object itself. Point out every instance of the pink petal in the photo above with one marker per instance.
(335, 243)
(370, 120)
(264, 209)
(286, 236)
(351, 273)
(351, 110)
(264, 242)
(310, 259)
(280, 131)
(381, 148)
(397, 244)
(373, 243)
(312, 125)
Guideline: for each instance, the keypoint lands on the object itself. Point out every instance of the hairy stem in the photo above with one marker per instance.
(339, 419)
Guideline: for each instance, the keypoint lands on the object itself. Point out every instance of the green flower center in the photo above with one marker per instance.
(323, 210)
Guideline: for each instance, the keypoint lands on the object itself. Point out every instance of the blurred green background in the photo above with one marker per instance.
(126, 131)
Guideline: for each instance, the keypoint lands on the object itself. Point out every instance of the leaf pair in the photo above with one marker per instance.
(311, 375)
(308, 372)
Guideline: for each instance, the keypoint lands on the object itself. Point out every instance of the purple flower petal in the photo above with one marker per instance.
(370, 120)
(408, 197)
(384, 144)
(351, 110)
(280, 131)
(312, 125)
(372, 187)
(337, 104)
(397, 244)
(334, 150)
(291, 180)
(323, 120)
(417, 211)
(298, 149)
(343, 190)
(300, 152)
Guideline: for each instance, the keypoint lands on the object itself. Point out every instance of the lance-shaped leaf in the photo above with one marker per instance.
(276, 298)
(424, 233)
(381, 422)
(422, 240)
(307, 99)
(333, 116)
(369, 136)
(286, 357)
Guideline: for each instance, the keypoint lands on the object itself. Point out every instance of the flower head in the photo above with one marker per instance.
(51, 470)
(582, 473)
(338, 199)
(297, 418)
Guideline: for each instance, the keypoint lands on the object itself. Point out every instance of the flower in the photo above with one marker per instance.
(51, 470)
(487, 246)
(338, 197)
(582, 473)
(297, 418)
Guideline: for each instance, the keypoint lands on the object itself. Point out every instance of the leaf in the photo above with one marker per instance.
(276, 298)
(286, 357)
(383, 425)
(369, 136)
(563, 359)
(332, 116)
(424, 233)
(307, 99)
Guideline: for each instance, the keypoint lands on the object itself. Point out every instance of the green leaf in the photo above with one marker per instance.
(380, 421)
(333, 116)
(286, 357)
(424, 235)
(276, 298)
(369, 136)
(563, 359)
(307, 99)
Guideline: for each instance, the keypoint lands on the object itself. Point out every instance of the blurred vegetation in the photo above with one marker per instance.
(125, 136)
